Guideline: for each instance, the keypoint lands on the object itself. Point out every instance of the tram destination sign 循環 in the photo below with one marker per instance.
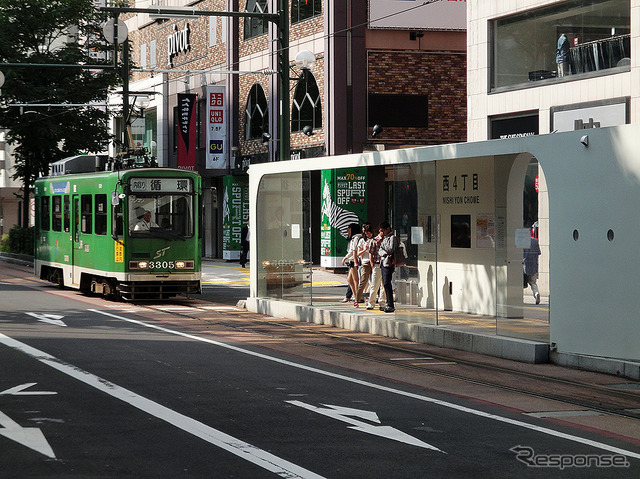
(160, 185)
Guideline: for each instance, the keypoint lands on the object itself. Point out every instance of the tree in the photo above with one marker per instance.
(52, 32)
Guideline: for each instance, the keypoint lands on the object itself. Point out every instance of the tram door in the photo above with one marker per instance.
(75, 233)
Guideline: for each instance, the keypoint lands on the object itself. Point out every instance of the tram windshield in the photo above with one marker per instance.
(164, 214)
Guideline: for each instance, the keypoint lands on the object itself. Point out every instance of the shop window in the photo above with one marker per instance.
(254, 27)
(593, 36)
(304, 9)
(256, 113)
(398, 110)
(86, 207)
(307, 106)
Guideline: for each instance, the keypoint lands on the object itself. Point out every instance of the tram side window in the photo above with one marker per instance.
(67, 214)
(45, 213)
(117, 229)
(101, 215)
(87, 213)
(57, 213)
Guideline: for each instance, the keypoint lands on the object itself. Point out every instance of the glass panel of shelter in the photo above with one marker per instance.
(464, 262)
(282, 233)
(413, 215)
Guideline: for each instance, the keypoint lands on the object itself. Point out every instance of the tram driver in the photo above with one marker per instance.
(144, 220)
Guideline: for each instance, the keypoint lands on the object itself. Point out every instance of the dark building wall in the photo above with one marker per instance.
(441, 76)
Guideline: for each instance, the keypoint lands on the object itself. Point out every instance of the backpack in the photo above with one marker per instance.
(400, 254)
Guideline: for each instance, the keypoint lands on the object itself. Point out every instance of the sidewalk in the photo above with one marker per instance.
(473, 333)
(525, 340)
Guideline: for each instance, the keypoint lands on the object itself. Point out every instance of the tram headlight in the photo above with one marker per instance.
(143, 264)
(185, 264)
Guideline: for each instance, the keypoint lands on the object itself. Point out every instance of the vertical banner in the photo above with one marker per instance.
(216, 128)
(235, 214)
(344, 201)
(187, 131)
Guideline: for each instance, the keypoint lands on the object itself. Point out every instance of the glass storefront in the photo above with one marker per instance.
(568, 40)
(466, 226)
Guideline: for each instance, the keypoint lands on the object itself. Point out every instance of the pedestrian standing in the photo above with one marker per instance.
(376, 275)
(387, 250)
(364, 259)
(351, 259)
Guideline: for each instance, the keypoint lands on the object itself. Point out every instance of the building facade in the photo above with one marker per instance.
(541, 67)
(10, 204)
(407, 78)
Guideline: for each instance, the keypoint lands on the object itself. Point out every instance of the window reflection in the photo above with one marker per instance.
(560, 41)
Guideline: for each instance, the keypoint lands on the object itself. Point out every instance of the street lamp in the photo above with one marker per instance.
(305, 60)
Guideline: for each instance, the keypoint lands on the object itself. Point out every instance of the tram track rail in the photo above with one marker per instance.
(606, 394)
(606, 398)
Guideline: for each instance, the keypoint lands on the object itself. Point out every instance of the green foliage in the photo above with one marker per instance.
(52, 32)
(4, 243)
(21, 240)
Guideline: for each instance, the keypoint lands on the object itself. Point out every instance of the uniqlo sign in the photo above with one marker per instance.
(216, 116)
(216, 128)
(216, 99)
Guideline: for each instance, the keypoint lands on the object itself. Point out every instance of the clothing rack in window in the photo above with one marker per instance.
(600, 54)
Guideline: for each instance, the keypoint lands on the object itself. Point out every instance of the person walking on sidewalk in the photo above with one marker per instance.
(387, 249)
(530, 265)
(244, 244)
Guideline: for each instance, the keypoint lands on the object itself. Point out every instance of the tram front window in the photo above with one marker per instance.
(162, 215)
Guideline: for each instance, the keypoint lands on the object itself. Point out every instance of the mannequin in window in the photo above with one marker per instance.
(562, 56)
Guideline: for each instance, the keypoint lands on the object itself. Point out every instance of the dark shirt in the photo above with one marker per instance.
(562, 53)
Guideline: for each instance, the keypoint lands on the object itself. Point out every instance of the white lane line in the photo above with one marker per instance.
(213, 436)
(457, 407)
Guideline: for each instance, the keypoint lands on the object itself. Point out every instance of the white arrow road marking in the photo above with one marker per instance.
(20, 391)
(48, 318)
(379, 387)
(31, 437)
(346, 415)
(213, 436)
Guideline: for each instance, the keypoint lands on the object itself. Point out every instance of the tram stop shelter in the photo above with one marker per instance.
(465, 237)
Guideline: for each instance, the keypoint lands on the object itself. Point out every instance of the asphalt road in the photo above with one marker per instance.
(92, 389)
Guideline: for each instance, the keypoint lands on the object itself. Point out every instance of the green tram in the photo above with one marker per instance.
(129, 234)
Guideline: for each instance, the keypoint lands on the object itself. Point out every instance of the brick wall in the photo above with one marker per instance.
(440, 76)
(254, 46)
